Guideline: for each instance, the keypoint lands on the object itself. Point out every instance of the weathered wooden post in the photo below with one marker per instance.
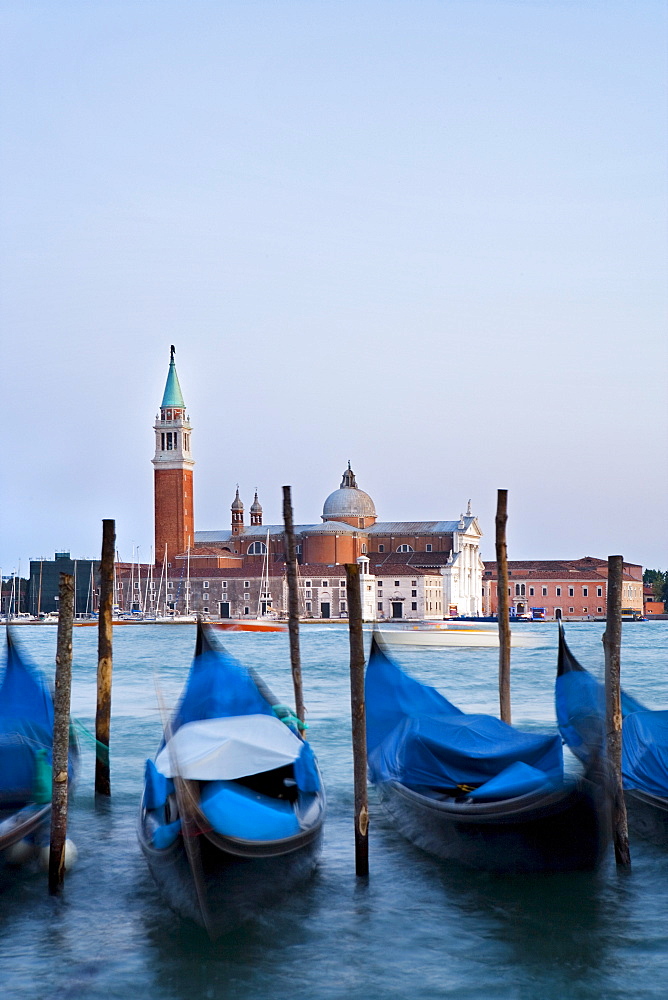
(612, 643)
(358, 713)
(104, 659)
(61, 733)
(293, 603)
(503, 604)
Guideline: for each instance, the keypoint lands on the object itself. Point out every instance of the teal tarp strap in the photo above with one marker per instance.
(101, 749)
(41, 788)
(286, 715)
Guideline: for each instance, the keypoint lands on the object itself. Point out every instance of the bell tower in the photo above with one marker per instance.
(173, 475)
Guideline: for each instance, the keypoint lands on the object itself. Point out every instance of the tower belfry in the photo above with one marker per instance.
(173, 475)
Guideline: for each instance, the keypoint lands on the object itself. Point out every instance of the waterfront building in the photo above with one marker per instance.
(433, 568)
(567, 588)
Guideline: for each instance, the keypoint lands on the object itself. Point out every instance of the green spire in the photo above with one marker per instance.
(173, 395)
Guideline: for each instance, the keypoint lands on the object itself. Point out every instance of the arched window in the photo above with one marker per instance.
(405, 548)
(363, 548)
(256, 549)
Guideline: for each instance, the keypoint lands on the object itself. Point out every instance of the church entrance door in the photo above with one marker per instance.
(397, 609)
(325, 610)
(224, 609)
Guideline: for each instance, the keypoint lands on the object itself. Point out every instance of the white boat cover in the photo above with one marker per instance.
(224, 749)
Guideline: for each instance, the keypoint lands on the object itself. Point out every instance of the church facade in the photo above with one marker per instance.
(409, 569)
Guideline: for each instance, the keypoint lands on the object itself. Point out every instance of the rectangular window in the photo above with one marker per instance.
(308, 583)
(162, 442)
(428, 549)
(571, 610)
(308, 593)
(381, 548)
(599, 610)
(246, 597)
(413, 583)
(558, 591)
(414, 606)
(308, 605)
(571, 591)
(379, 583)
(342, 605)
(206, 584)
(413, 593)
(530, 591)
(136, 585)
(380, 593)
(224, 584)
(169, 441)
(599, 591)
(545, 591)
(396, 583)
(206, 610)
(584, 611)
(342, 583)
(585, 591)
(380, 605)
(170, 585)
(246, 584)
(325, 583)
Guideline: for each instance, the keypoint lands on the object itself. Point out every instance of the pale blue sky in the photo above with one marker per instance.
(426, 236)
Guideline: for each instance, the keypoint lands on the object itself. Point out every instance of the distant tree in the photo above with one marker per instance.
(658, 580)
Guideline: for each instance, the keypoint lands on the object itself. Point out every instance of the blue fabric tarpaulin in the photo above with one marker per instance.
(419, 738)
(218, 686)
(580, 704)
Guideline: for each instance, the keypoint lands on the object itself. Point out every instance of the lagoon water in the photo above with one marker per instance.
(417, 927)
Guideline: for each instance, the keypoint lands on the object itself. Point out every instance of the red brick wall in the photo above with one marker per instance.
(174, 516)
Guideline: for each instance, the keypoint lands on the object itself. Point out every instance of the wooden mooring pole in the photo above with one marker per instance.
(61, 733)
(612, 644)
(503, 604)
(104, 659)
(293, 603)
(358, 713)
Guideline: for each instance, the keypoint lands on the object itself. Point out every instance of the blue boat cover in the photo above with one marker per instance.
(417, 737)
(645, 752)
(580, 703)
(236, 811)
(26, 725)
(218, 686)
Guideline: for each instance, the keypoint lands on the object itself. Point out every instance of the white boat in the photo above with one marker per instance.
(444, 634)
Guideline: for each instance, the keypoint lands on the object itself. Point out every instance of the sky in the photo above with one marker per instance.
(428, 237)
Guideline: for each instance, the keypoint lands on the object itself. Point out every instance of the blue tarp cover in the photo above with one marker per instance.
(240, 812)
(26, 724)
(580, 702)
(645, 752)
(218, 687)
(419, 738)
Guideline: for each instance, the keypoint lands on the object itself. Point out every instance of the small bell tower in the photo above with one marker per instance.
(173, 472)
(237, 515)
(256, 511)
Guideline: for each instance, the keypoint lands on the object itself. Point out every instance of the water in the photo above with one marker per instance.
(417, 927)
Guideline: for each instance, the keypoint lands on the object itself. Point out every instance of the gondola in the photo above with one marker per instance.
(580, 702)
(472, 789)
(232, 812)
(26, 746)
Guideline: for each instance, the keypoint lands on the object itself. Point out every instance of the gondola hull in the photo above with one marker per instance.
(226, 882)
(563, 831)
(647, 815)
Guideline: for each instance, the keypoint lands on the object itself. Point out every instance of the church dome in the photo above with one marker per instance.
(348, 500)
(237, 503)
(256, 506)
